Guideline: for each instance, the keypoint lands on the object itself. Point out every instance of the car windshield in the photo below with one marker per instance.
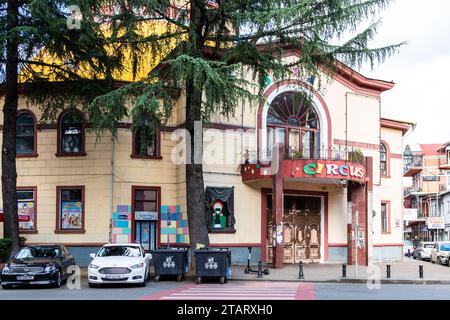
(428, 245)
(38, 252)
(445, 247)
(119, 251)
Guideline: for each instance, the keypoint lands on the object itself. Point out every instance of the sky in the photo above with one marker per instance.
(421, 69)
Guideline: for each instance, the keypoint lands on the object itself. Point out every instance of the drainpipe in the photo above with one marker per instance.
(111, 187)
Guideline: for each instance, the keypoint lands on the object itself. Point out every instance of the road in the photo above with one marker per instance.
(237, 290)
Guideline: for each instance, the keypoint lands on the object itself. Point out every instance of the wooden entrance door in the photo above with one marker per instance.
(301, 231)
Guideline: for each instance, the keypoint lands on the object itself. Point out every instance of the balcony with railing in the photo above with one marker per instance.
(444, 163)
(320, 164)
(412, 164)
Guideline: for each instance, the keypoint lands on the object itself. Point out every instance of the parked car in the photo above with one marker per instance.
(423, 251)
(119, 263)
(38, 265)
(408, 247)
(440, 253)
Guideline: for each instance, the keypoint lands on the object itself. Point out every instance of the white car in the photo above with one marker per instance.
(119, 263)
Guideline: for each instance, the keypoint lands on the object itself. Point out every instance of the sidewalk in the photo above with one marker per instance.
(406, 272)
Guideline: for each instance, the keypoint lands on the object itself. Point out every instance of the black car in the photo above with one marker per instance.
(37, 265)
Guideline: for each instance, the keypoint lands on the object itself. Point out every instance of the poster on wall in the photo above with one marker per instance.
(71, 215)
(25, 211)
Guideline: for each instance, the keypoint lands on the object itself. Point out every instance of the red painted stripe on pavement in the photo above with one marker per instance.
(305, 291)
(164, 293)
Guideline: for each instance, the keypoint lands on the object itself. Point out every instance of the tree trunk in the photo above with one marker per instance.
(9, 173)
(195, 191)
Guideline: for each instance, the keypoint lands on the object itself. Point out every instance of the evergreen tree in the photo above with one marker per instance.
(75, 66)
(213, 45)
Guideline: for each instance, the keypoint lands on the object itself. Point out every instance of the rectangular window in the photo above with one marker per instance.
(70, 209)
(146, 144)
(220, 209)
(385, 217)
(26, 209)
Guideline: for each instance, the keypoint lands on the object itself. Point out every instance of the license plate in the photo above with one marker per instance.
(25, 277)
(113, 276)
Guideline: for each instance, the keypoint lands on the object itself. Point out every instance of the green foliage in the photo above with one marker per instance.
(5, 249)
(224, 46)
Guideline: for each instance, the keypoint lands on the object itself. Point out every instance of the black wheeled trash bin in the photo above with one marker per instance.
(213, 263)
(170, 262)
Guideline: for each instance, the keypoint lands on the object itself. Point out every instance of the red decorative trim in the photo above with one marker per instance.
(345, 75)
(276, 86)
(395, 124)
(388, 216)
(58, 229)
(34, 230)
(356, 144)
(396, 156)
(34, 154)
(158, 204)
(264, 193)
(225, 126)
(59, 152)
(388, 245)
(337, 245)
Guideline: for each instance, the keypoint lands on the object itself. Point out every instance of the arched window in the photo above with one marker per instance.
(293, 121)
(383, 160)
(71, 133)
(26, 134)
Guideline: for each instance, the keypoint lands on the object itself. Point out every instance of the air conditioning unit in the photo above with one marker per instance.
(443, 187)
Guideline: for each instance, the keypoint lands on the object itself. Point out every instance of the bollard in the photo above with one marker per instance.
(248, 269)
(344, 271)
(388, 271)
(300, 270)
(421, 271)
(260, 274)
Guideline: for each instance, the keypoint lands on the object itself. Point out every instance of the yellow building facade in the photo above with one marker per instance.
(84, 192)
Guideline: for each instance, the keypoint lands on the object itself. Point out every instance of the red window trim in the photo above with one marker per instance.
(58, 229)
(388, 217)
(59, 152)
(158, 207)
(158, 148)
(34, 154)
(388, 160)
(35, 229)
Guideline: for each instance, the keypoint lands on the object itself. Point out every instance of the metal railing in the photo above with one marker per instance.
(414, 161)
(323, 153)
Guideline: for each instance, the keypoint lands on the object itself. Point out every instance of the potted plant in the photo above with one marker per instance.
(356, 156)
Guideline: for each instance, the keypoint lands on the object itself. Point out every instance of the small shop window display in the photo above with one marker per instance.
(219, 204)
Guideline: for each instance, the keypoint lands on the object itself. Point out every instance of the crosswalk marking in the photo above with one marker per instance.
(241, 291)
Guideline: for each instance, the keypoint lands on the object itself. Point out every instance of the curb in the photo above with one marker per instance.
(341, 280)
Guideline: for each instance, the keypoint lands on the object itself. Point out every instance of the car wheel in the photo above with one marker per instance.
(6, 286)
(93, 285)
(143, 283)
(147, 278)
(58, 279)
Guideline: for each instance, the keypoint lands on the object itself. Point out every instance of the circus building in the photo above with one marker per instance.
(313, 174)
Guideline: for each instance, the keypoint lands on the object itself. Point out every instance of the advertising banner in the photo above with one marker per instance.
(26, 215)
(71, 215)
(435, 223)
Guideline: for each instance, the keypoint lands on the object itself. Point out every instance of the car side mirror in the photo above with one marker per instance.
(92, 255)
(148, 255)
